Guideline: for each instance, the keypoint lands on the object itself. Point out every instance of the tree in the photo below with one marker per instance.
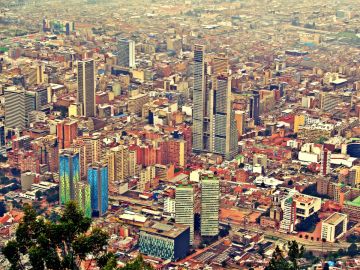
(38, 195)
(63, 244)
(353, 250)
(279, 261)
(295, 253)
(2, 209)
(137, 264)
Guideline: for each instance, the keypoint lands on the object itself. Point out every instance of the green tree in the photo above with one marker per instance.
(2, 208)
(278, 261)
(60, 245)
(282, 261)
(353, 250)
(137, 264)
(295, 253)
(38, 195)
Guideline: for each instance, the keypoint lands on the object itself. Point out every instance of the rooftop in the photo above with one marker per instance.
(169, 230)
(335, 218)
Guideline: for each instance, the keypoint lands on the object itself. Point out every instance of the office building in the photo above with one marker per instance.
(15, 113)
(98, 181)
(325, 162)
(165, 241)
(240, 122)
(210, 196)
(224, 126)
(66, 133)
(122, 164)
(329, 101)
(145, 178)
(212, 110)
(69, 174)
(287, 224)
(86, 87)
(83, 198)
(354, 176)
(27, 179)
(220, 64)
(201, 120)
(126, 53)
(334, 227)
(184, 206)
(254, 107)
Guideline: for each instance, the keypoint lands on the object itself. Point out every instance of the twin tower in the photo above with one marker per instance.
(214, 126)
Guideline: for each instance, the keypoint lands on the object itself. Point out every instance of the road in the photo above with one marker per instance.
(308, 244)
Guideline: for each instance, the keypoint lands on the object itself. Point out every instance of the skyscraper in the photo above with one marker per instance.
(214, 126)
(325, 162)
(201, 122)
(66, 133)
(210, 196)
(254, 108)
(83, 198)
(224, 131)
(86, 87)
(184, 207)
(126, 53)
(69, 174)
(15, 113)
(98, 180)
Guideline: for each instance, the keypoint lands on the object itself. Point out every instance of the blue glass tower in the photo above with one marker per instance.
(98, 180)
(69, 174)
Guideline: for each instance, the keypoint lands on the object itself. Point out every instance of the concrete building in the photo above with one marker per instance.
(86, 87)
(184, 205)
(27, 179)
(334, 227)
(15, 111)
(126, 53)
(210, 196)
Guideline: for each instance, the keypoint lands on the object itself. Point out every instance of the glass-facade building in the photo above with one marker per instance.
(69, 174)
(168, 242)
(83, 198)
(98, 181)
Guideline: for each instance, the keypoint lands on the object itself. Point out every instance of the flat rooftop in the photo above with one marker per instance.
(169, 230)
(334, 219)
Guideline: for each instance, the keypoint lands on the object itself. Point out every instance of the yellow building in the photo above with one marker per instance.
(299, 120)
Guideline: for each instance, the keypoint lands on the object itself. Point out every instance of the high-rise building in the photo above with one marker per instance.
(146, 176)
(83, 198)
(66, 133)
(354, 176)
(220, 64)
(201, 121)
(98, 181)
(325, 162)
(89, 149)
(240, 122)
(122, 163)
(184, 207)
(210, 197)
(254, 107)
(287, 224)
(69, 174)
(86, 87)
(126, 53)
(15, 113)
(224, 125)
(214, 126)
